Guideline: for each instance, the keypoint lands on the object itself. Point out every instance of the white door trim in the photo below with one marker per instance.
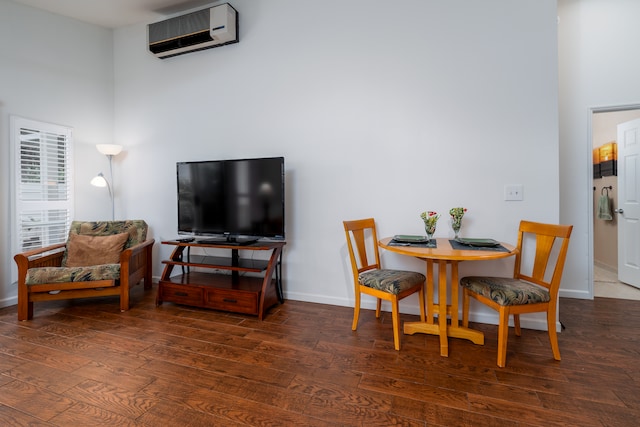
(589, 170)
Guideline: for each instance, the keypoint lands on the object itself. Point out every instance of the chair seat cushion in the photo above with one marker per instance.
(392, 281)
(506, 291)
(42, 275)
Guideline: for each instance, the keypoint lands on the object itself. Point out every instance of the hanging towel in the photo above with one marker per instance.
(604, 209)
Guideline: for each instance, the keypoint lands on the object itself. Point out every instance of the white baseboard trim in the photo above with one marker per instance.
(367, 303)
(7, 302)
(572, 293)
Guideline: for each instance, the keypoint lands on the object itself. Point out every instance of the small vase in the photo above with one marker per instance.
(430, 232)
(455, 226)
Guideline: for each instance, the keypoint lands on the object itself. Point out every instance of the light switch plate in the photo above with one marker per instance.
(513, 192)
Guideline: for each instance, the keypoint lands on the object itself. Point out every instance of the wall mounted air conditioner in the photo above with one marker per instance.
(204, 29)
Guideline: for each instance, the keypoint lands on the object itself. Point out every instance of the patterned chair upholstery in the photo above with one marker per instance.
(81, 270)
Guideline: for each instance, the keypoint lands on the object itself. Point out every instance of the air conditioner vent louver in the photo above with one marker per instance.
(196, 22)
(203, 29)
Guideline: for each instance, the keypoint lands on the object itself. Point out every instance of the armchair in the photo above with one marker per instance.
(99, 259)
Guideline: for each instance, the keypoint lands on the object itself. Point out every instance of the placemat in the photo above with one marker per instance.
(431, 244)
(462, 247)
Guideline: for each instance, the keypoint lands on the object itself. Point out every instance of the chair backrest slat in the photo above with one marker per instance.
(544, 245)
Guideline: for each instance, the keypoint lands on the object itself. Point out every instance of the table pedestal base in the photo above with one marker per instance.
(476, 337)
(443, 329)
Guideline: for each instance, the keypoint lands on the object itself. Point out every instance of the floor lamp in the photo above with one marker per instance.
(108, 150)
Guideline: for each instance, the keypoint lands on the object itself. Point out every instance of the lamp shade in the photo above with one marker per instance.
(109, 149)
(99, 180)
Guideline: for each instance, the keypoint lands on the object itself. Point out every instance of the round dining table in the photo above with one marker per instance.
(445, 254)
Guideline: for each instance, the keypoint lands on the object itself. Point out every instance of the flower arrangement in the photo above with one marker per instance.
(430, 219)
(456, 219)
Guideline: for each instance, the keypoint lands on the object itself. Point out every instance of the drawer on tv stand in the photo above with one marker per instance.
(235, 301)
(181, 294)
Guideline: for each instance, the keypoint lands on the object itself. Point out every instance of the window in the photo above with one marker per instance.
(42, 184)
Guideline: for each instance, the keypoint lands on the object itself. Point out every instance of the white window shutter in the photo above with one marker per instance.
(43, 185)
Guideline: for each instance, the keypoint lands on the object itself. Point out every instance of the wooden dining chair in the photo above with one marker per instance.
(527, 292)
(370, 278)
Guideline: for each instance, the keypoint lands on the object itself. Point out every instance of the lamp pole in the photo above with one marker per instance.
(113, 210)
(110, 150)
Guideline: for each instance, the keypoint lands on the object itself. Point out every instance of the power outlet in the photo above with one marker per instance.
(513, 192)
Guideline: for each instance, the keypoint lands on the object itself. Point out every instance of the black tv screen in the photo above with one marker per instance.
(232, 198)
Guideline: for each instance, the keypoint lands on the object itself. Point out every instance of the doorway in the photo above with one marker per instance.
(604, 122)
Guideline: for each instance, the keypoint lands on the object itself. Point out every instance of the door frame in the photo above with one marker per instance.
(590, 213)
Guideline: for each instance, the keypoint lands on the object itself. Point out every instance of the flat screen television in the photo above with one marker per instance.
(234, 201)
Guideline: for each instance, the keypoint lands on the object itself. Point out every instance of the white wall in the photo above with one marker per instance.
(380, 109)
(56, 70)
(599, 67)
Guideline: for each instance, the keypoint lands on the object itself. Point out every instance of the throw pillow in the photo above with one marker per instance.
(85, 251)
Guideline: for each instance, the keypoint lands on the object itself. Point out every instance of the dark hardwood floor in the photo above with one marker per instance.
(84, 363)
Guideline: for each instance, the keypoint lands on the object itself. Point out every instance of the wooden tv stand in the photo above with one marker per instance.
(233, 292)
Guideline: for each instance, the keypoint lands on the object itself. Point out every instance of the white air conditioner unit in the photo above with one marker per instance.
(204, 29)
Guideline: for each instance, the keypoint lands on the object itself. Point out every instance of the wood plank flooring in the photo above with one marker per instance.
(84, 363)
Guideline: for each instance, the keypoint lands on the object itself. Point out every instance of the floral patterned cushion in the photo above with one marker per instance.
(137, 230)
(392, 281)
(36, 276)
(506, 291)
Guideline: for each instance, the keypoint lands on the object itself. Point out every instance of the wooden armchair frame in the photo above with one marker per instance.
(135, 265)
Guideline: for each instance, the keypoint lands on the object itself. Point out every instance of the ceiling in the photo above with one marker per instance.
(116, 13)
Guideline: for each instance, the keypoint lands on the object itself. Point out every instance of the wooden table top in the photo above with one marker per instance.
(444, 251)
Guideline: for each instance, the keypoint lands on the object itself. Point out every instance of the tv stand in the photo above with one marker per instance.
(227, 292)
